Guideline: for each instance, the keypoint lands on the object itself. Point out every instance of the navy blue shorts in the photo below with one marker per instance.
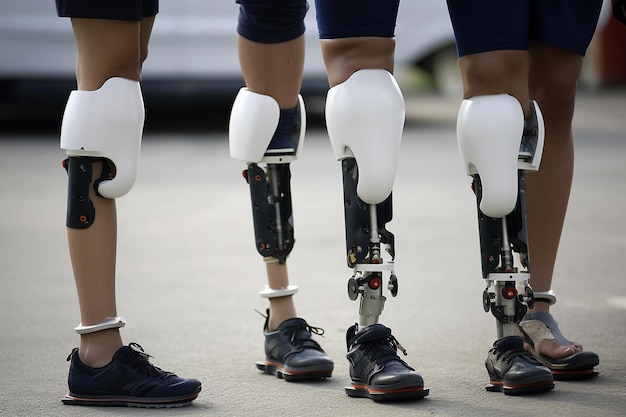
(355, 18)
(494, 25)
(273, 21)
(134, 10)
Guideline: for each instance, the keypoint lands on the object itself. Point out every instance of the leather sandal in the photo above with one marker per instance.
(538, 327)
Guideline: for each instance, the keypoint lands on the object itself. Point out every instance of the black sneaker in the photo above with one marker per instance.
(129, 380)
(514, 370)
(291, 353)
(376, 371)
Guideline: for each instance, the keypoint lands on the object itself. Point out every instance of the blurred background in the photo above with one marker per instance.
(192, 72)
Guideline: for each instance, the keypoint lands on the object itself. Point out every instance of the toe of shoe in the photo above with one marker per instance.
(396, 377)
(309, 358)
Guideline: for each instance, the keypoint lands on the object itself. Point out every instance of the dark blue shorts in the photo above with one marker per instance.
(108, 9)
(354, 18)
(273, 21)
(493, 25)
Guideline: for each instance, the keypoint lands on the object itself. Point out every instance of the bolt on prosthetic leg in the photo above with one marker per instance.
(365, 116)
(497, 146)
(261, 133)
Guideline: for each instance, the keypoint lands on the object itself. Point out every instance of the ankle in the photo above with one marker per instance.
(97, 349)
(281, 309)
(276, 320)
(540, 306)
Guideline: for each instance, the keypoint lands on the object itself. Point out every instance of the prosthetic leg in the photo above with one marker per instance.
(261, 133)
(103, 126)
(496, 158)
(102, 130)
(365, 117)
(254, 120)
(496, 153)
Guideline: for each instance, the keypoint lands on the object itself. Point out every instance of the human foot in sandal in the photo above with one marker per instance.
(566, 359)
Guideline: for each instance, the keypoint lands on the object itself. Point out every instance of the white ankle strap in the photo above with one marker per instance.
(547, 296)
(108, 323)
(281, 292)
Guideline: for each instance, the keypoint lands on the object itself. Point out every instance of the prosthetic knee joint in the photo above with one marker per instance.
(365, 117)
(261, 133)
(105, 126)
(497, 146)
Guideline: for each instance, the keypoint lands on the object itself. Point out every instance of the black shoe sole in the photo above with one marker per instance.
(578, 366)
(408, 393)
(291, 374)
(576, 375)
(125, 401)
(520, 389)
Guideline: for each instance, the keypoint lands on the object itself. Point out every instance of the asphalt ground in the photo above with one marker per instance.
(188, 274)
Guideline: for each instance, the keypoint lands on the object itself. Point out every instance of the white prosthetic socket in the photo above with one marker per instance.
(107, 123)
(365, 118)
(253, 121)
(489, 133)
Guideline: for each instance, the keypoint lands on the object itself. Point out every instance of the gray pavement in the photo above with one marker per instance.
(188, 274)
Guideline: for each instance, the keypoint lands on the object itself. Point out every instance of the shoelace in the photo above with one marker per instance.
(307, 327)
(301, 336)
(509, 355)
(136, 347)
(395, 344)
(311, 329)
(140, 360)
(384, 350)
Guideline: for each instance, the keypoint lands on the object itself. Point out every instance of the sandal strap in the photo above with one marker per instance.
(537, 333)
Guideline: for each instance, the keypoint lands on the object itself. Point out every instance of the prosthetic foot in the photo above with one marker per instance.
(292, 354)
(539, 327)
(497, 147)
(376, 370)
(513, 370)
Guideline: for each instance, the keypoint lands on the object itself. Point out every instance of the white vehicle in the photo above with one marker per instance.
(193, 47)
(193, 50)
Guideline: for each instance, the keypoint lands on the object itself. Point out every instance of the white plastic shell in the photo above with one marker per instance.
(253, 122)
(107, 123)
(365, 118)
(489, 133)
